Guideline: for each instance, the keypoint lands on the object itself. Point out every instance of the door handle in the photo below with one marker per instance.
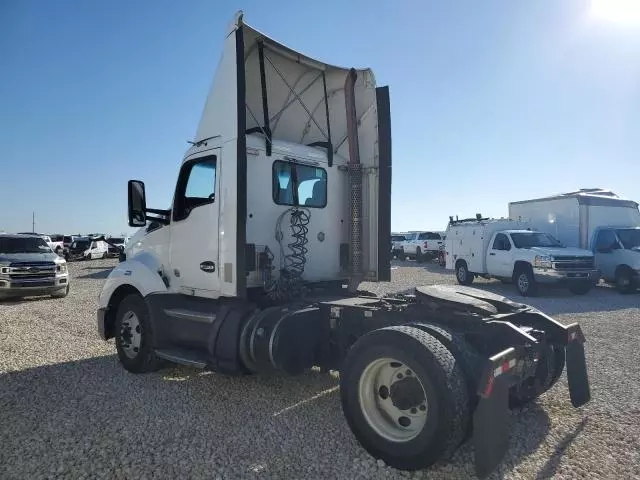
(208, 266)
(491, 253)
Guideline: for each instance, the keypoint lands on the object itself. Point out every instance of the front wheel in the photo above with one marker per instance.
(134, 336)
(61, 293)
(624, 280)
(463, 275)
(525, 282)
(404, 397)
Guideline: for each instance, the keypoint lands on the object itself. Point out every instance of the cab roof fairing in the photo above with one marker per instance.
(295, 96)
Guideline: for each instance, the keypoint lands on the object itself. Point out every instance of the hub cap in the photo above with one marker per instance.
(462, 275)
(523, 282)
(130, 334)
(393, 400)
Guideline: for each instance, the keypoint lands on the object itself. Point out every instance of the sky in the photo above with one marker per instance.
(491, 101)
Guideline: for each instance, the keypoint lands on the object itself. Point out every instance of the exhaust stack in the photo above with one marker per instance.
(355, 182)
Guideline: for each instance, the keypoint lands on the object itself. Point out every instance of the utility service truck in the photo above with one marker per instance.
(514, 252)
(281, 210)
(594, 219)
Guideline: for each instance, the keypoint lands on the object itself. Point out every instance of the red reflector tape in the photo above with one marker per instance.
(489, 389)
(505, 367)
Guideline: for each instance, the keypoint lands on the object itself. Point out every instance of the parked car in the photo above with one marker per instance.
(593, 219)
(422, 246)
(397, 249)
(29, 267)
(513, 252)
(56, 243)
(116, 245)
(87, 249)
(617, 252)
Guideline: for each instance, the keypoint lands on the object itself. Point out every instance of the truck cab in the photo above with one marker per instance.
(519, 255)
(617, 256)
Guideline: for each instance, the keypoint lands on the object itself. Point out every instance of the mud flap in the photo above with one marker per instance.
(491, 417)
(577, 376)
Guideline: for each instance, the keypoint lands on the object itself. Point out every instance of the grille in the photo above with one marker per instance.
(32, 271)
(573, 263)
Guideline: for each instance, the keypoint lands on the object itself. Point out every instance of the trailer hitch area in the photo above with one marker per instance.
(577, 376)
(491, 417)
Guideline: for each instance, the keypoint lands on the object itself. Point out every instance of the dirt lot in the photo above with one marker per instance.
(68, 410)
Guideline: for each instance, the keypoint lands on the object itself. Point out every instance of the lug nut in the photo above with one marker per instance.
(404, 421)
(383, 391)
(399, 376)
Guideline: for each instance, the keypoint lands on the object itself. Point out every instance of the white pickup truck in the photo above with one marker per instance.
(422, 246)
(512, 252)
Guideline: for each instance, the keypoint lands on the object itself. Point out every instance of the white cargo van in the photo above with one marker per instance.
(593, 219)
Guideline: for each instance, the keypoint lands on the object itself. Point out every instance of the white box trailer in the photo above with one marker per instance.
(573, 217)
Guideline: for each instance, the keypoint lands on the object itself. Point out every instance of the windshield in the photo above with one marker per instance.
(116, 240)
(534, 239)
(56, 238)
(630, 238)
(66, 239)
(83, 244)
(23, 245)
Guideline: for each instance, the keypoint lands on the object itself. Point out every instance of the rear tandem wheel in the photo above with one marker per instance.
(405, 397)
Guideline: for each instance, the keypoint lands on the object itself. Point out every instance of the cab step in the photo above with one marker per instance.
(182, 357)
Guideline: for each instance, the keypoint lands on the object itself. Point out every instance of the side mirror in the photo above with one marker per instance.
(137, 204)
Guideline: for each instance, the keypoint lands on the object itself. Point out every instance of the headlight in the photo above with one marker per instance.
(542, 261)
(5, 270)
(61, 268)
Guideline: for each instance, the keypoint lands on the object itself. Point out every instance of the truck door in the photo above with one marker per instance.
(194, 228)
(606, 246)
(499, 257)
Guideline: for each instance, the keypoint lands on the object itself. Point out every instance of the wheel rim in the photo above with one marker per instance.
(523, 282)
(130, 334)
(462, 274)
(392, 400)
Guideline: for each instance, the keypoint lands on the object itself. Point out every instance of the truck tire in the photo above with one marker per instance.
(463, 275)
(404, 397)
(624, 279)
(525, 281)
(61, 293)
(442, 261)
(134, 336)
(547, 377)
(419, 256)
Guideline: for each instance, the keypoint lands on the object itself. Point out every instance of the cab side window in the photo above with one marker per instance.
(501, 242)
(196, 186)
(606, 239)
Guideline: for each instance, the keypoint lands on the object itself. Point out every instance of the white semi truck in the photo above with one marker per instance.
(281, 209)
(595, 219)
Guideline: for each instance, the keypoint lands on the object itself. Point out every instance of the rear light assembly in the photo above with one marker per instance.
(426, 245)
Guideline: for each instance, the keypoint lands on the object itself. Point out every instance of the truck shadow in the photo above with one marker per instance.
(90, 417)
(101, 273)
(558, 301)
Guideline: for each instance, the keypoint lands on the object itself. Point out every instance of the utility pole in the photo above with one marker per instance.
(33, 222)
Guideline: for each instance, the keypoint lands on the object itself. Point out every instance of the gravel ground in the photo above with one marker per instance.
(68, 410)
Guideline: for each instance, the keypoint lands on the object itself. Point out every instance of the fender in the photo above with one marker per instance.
(141, 272)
